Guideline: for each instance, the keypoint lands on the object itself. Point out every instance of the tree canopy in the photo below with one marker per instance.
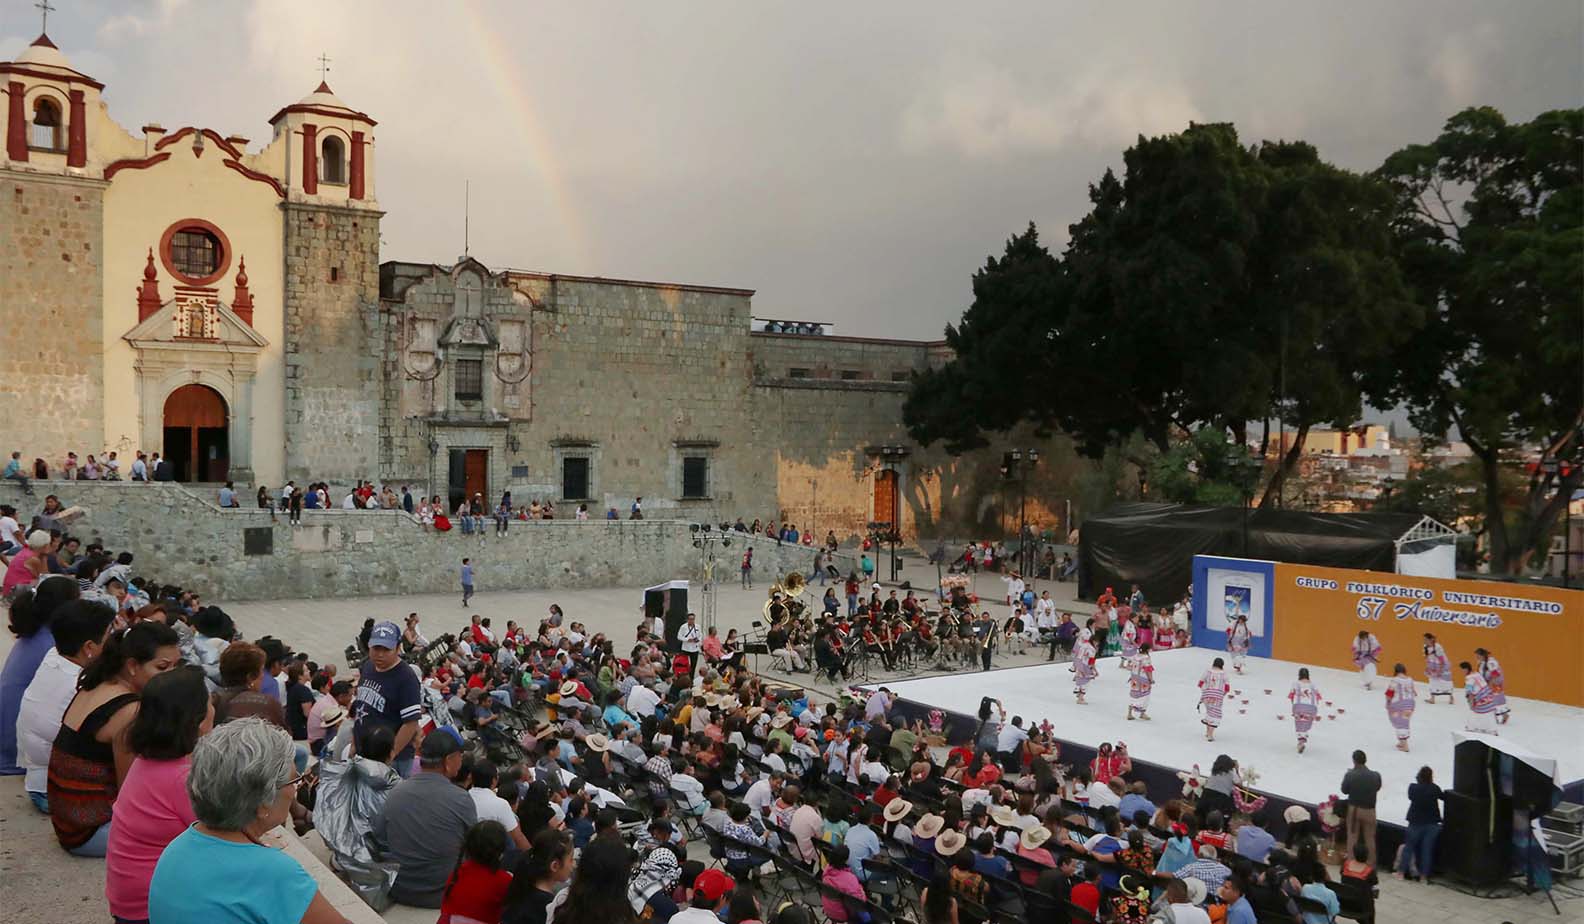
(1211, 285)
(1489, 228)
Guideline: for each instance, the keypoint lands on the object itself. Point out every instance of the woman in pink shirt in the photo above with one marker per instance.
(152, 807)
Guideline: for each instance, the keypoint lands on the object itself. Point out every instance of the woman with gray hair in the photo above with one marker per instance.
(242, 783)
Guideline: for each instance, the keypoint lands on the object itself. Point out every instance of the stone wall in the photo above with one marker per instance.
(182, 537)
(51, 336)
(332, 343)
(633, 376)
(825, 469)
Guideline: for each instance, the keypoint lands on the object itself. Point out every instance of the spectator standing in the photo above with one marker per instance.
(424, 822)
(466, 576)
(1360, 785)
(1424, 827)
(388, 694)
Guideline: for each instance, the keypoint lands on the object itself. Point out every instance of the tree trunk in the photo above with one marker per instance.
(1495, 522)
(1288, 462)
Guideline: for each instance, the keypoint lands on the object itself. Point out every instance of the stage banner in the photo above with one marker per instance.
(1537, 633)
(1225, 588)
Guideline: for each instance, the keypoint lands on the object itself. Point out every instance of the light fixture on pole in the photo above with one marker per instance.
(1016, 464)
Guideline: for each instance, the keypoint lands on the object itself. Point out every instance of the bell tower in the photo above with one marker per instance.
(331, 291)
(52, 193)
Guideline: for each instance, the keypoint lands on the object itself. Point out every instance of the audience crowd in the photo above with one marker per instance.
(550, 773)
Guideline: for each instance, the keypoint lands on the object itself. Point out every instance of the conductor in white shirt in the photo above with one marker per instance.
(689, 638)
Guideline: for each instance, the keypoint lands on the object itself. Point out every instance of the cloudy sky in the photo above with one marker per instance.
(853, 163)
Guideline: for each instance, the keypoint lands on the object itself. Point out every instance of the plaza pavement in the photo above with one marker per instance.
(40, 882)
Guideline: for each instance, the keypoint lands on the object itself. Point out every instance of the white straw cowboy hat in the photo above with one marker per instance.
(569, 688)
(1034, 838)
(597, 742)
(949, 842)
(897, 809)
(1003, 816)
(929, 826)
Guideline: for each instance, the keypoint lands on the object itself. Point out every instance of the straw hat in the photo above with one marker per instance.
(712, 699)
(929, 826)
(1197, 891)
(897, 809)
(1034, 837)
(333, 717)
(1295, 814)
(1003, 816)
(781, 720)
(949, 842)
(597, 742)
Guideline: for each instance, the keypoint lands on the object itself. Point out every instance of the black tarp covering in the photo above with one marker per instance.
(1153, 545)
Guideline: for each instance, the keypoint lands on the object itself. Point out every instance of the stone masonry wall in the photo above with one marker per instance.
(181, 537)
(333, 343)
(635, 376)
(51, 294)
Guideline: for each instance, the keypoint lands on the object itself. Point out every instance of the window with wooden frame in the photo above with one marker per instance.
(469, 379)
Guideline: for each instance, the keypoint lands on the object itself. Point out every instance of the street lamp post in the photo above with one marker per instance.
(1019, 463)
(891, 457)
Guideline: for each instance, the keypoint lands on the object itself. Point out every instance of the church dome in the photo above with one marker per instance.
(324, 97)
(43, 54)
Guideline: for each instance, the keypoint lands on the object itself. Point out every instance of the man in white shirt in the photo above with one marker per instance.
(1179, 895)
(139, 468)
(690, 637)
(80, 628)
(762, 794)
(641, 701)
(350, 501)
(10, 538)
(491, 807)
(1009, 740)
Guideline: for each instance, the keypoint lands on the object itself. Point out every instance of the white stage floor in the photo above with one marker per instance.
(1175, 738)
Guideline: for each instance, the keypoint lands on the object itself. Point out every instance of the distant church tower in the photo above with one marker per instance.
(331, 293)
(51, 257)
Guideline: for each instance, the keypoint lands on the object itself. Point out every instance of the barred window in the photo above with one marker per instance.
(195, 253)
(469, 379)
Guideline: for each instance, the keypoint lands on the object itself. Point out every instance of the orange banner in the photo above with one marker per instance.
(1537, 633)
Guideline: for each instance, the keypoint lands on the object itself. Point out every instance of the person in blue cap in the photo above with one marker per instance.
(388, 694)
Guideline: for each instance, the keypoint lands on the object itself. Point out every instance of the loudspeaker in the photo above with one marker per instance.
(1469, 761)
(1476, 839)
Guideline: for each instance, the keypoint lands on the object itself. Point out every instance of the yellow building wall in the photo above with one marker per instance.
(139, 206)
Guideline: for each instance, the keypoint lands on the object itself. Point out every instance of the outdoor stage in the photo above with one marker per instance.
(1261, 734)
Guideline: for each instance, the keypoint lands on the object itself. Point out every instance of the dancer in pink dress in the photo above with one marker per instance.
(1438, 669)
(1141, 681)
(1490, 669)
(1084, 670)
(1482, 702)
(1400, 700)
(1238, 640)
(1213, 688)
(1366, 655)
(1305, 698)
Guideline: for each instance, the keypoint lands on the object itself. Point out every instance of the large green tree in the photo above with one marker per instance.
(1489, 226)
(1211, 285)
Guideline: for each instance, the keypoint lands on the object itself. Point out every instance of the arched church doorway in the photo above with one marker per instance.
(197, 441)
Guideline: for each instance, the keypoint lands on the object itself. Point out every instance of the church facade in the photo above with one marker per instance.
(224, 303)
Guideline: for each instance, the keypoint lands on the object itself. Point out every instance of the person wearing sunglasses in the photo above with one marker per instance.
(242, 783)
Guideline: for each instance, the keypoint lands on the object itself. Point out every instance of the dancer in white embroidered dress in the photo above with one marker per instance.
(1305, 698)
(1401, 698)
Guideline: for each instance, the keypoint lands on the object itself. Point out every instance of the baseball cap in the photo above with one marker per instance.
(385, 635)
(439, 746)
(712, 884)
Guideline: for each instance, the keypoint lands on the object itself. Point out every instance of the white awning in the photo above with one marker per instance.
(1546, 765)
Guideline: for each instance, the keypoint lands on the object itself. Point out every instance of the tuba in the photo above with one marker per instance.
(790, 588)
